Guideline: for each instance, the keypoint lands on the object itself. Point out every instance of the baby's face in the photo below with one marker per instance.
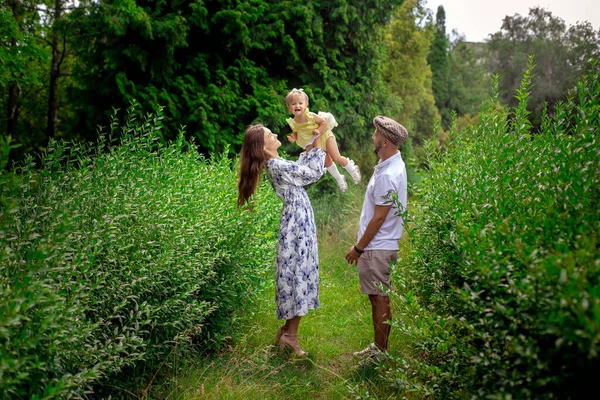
(298, 104)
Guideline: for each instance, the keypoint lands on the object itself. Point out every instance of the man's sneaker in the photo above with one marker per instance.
(375, 357)
(372, 348)
(342, 184)
(353, 171)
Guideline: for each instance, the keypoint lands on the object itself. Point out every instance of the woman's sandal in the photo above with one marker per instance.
(291, 341)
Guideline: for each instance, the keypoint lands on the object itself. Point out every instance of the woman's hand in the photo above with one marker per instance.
(317, 143)
(322, 125)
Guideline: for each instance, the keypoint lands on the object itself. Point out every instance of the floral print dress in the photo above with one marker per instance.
(297, 272)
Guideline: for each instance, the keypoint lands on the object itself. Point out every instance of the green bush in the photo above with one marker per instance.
(114, 255)
(501, 295)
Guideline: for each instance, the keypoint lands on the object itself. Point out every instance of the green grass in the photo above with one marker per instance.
(253, 368)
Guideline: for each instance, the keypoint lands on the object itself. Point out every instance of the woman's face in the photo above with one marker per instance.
(271, 142)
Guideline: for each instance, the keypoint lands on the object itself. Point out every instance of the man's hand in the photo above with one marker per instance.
(352, 256)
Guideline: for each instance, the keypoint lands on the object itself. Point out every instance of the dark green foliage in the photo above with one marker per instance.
(214, 66)
(23, 62)
(218, 66)
(503, 285)
(114, 255)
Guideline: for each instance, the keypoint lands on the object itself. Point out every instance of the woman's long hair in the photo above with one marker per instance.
(252, 160)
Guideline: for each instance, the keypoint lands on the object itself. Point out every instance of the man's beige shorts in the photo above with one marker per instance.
(374, 270)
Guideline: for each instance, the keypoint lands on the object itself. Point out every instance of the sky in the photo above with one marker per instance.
(477, 19)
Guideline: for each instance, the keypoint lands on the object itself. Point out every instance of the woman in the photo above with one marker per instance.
(297, 274)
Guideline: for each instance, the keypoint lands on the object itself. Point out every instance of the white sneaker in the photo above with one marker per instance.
(342, 184)
(367, 350)
(353, 171)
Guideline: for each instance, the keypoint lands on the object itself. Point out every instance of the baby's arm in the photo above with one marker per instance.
(322, 125)
(292, 138)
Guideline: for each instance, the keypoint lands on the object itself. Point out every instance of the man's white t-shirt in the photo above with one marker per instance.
(389, 175)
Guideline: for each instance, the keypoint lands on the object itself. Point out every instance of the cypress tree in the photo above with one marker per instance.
(440, 67)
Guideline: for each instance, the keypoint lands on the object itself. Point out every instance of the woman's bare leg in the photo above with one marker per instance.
(291, 325)
(290, 337)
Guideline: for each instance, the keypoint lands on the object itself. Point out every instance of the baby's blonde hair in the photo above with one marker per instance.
(293, 93)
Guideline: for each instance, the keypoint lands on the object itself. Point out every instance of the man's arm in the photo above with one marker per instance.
(373, 227)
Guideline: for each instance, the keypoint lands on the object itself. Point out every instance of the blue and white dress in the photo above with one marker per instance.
(297, 274)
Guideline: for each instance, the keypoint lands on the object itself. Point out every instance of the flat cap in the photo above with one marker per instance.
(390, 129)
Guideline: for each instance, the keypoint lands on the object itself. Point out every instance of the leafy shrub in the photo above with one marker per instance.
(501, 296)
(114, 255)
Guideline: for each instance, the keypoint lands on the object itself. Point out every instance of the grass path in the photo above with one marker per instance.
(253, 368)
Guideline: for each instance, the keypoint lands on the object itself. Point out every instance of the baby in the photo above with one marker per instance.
(308, 127)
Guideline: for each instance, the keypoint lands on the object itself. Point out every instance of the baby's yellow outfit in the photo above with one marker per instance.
(304, 130)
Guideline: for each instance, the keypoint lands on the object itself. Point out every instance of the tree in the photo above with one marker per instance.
(217, 66)
(407, 72)
(560, 55)
(440, 69)
(58, 49)
(22, 60)
(469, 84)
(12, 23)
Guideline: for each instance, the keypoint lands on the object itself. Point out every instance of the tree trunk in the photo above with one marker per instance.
(54, 73)
(52, 96)
(12, 110)
(12, 106)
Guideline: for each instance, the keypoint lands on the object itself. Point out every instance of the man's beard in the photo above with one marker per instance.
(377, 148)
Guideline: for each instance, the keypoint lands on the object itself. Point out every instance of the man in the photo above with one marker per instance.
(380, 230)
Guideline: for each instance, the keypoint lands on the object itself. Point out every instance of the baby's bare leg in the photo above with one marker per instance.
(346, 163)
(332, 150)
(328, 160)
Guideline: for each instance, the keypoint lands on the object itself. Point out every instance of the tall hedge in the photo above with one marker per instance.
(501, 295)
(114, 254)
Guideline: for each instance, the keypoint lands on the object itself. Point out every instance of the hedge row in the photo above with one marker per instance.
(501, 295)
(112, 255)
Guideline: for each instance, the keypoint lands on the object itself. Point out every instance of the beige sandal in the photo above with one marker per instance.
(291, 341)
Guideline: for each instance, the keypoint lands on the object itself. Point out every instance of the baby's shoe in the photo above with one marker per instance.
(342, 183)
(353, 171)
